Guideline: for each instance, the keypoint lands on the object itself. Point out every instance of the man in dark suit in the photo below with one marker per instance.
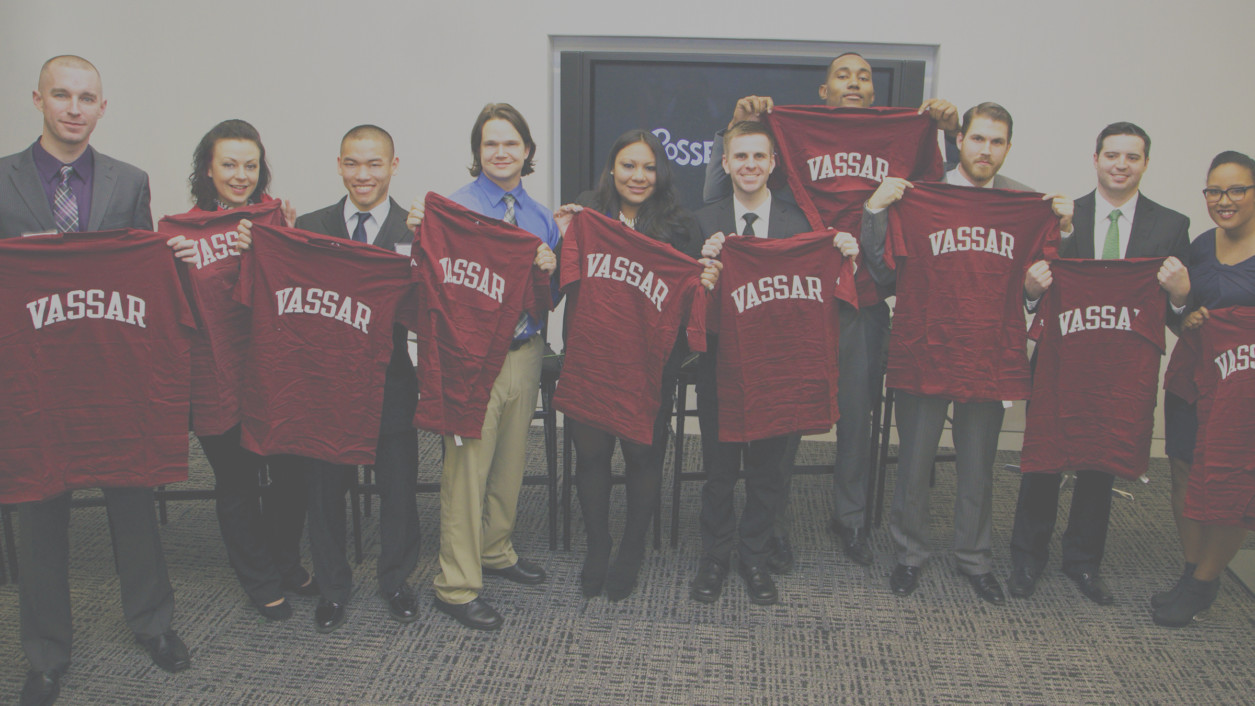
(61, 184)
(984, 140)
(367, 162)
(748, 158)
(1113, 221)
(864, 332)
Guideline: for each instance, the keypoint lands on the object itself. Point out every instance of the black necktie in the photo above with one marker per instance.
(359, 233)
(749, 223)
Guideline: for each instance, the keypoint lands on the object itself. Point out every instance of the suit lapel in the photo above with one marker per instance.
(1083, 227)
(727, 217)
(1143, 226)
(393, 229)
(779, 227)
(102, 190)
(26, 182)
(333, 221)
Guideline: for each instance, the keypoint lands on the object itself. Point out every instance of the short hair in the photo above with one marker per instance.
(366, 132)
(70, 60)
(510, 114)
(203, 191)
(748, 127)
(1233, 157)
(848, 53)
(1124, 128)
(989, 110)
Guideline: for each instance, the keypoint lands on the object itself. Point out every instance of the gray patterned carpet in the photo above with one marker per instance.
(838, 635)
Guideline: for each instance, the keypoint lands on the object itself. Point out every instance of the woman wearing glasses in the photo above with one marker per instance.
(1222, 274)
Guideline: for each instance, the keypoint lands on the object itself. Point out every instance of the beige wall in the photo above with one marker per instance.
(303, 72)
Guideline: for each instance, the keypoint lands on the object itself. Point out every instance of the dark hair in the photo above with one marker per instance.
(990, 110)
(748, 127)
(363, 132)
(1232, 157)
(848, 53)
(508, 113)
(1124, 128)
(661, 216)
(203, 191)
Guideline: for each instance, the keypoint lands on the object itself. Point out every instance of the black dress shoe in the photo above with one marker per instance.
(1092, 585)
(329, 615)
(522, 572)
(41, 688)
(780, 557)
(987, 588)
(477, 614)
(708, 583)
(275, 613)
(403, 605)
(904, 579)
(1163, 598)
(167, 651)
(857, 548)
(758, 584)
(1022, 581)
(1195, 598)
(309, 588)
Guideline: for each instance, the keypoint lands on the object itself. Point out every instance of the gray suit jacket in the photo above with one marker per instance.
(120, 196)
(876, 225)
(719, 217)
(400, 391)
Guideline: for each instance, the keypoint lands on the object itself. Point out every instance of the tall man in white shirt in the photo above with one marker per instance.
(1113, 221)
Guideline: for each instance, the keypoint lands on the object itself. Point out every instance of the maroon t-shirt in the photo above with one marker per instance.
(322, 315)
(628, 297)
(829, 150)
(1222, 478)
(222, 323)
(834, 158)
(776, 309)
(476, 278)
(95, 332)
(1100, 333)
(961, 254)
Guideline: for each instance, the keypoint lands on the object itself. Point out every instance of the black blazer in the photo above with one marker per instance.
(1157, 231)
(120, 196)
(400, 392)
(720, 216)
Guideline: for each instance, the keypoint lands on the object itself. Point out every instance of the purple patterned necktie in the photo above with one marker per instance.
(64, 203)
(521, 327)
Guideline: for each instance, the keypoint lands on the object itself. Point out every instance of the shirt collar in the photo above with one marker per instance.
(1103, 207)
(49, 165)
(378, 213)
(496, 193)
(739, 211)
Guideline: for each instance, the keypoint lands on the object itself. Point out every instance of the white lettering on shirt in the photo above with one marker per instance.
(324, 302)
(855, 164)
(630, 273)
(975, 238)
(88, 304)
(1093, 318)
(469, 273)
(1235, 359)
(771, 288)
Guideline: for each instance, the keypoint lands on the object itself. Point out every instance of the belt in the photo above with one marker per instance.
(519, 343)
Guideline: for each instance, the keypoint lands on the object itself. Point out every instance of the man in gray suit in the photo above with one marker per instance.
(366, 163)
(984, 140)
(751, 210)
(1113, 221)
(61, 184)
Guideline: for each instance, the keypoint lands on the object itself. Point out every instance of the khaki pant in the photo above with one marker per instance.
(479, 488)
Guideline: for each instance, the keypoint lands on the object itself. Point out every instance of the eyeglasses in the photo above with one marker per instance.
(1236, 193)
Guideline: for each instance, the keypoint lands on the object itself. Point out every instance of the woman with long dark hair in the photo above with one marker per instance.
(1222, 274)
(636, 188)
(261, 527)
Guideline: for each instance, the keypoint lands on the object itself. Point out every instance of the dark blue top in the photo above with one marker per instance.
(1215, 285)
(49, 169)
(484, 196)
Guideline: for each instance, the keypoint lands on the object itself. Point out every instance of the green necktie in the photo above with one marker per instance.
(1111, 246)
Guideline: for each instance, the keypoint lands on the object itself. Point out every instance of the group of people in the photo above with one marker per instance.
(265, 503)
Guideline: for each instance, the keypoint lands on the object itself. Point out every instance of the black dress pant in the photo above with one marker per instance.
(261, 527)
(1038, 506)
(396, 478)
(44, 576)
(765, 481)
